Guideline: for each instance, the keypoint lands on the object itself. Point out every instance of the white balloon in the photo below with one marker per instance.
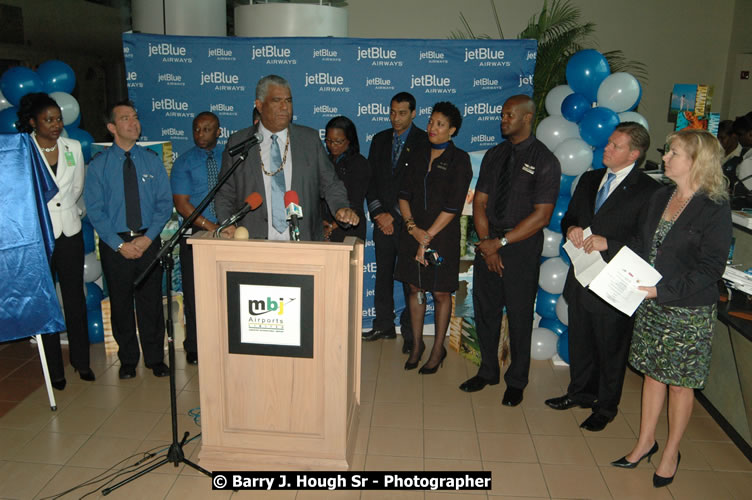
(4, 102)
(575, 156)
(633, 116)
(92, 267)
(554, 130)
(618, 92)
(553, 274)
(562, 310)
(543, 344)
(68, 106)
(551, 242)
(555, 97)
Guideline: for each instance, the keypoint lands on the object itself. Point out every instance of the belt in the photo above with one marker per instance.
(132, 234)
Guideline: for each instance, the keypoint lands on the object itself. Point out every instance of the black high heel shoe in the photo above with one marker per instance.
(413, 366)
(425, 370)
(626, 464)
(660, 481)
(58, 384)
(87, 375)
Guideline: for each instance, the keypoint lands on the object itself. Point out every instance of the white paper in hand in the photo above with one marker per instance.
(586, 265)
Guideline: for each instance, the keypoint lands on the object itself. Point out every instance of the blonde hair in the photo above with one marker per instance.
(706, 153)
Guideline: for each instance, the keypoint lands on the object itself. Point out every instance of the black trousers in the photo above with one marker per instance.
(120, 274)
(516, 291)
(387, 247)
(598, 351)
(189, 295)
(68, 263)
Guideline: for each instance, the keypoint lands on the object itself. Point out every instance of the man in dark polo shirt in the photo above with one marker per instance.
(514, 199)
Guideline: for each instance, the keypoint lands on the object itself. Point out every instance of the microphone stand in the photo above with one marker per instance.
(175, 454)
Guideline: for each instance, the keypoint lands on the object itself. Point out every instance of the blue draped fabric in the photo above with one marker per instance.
(28, 302)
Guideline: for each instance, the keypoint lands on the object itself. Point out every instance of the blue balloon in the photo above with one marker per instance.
(56, 76)
(563, 253)
(554, 325)
(545, 304)
(598, 159)
(85, 139)
(559, 210)
(19, 81)
(574, 106)
(562, 346)
(565, 184)
(88, 233)
(8, 119)
(96, 325)
(597, 125)
(94, 296)
(585, 71)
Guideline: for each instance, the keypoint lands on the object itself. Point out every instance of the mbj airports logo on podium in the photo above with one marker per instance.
(270, 315)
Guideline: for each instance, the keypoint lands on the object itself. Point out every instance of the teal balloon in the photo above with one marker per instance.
(84, 138)
(585, 71)
(8, 119)
(56, 76)
(565, 184)
(94, 296)
(96, 325)
(554, 325)
(19, 81)
(559, 210)
(597, 125)
(574, 107)
(598, 159)
(562, 346)
(545, 304)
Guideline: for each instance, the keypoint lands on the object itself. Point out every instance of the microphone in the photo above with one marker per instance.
(252, 202)
(293, 211)
(243, 147)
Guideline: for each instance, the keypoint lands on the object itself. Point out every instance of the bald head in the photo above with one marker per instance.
(517, 118)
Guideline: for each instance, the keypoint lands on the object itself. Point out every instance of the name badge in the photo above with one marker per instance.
(529, 169)
(70, 159)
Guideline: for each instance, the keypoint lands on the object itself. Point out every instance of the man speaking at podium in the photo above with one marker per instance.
(289, 158)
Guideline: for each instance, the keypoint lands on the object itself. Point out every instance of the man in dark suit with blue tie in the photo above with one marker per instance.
(608, 201)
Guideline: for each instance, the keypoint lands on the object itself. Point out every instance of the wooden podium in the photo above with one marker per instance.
(268, 406)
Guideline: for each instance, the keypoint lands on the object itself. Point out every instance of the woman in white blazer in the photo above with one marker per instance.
(40, 116)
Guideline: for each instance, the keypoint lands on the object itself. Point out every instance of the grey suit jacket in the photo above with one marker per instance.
(313, 178)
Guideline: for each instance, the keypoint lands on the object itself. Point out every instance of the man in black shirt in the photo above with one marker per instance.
(514, 198)
(390, 156)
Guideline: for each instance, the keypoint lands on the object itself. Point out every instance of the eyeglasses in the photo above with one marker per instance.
(335, 143)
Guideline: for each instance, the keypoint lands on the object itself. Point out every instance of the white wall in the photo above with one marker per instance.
(680, 41)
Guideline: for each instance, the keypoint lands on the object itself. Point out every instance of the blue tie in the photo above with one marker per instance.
(603, 192)
(278, 188)
(212, 170)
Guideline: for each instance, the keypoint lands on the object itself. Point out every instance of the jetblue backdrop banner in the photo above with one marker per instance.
(172, 78)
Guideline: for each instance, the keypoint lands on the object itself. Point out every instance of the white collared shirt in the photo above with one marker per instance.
(620, 176)
(265, 149)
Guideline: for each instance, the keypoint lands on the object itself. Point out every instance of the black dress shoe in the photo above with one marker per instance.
(160, 370)
(660, 481)
(375, 334)
(413, 365)
(474, 384)
(127, 371)
(596, 422)
(191, 358)
(626, 464)
(565, 402)
(512, 397)
(58, 384)
(87, 375)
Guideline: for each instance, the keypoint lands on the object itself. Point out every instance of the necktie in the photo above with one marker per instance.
(603, 192)
(503, 186)
(212, 171)
(132, 200)
(278, 188)
(396, 150)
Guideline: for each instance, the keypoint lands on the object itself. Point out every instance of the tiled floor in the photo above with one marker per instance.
(408, 422)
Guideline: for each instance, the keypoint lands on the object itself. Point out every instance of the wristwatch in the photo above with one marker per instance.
(504, 241)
